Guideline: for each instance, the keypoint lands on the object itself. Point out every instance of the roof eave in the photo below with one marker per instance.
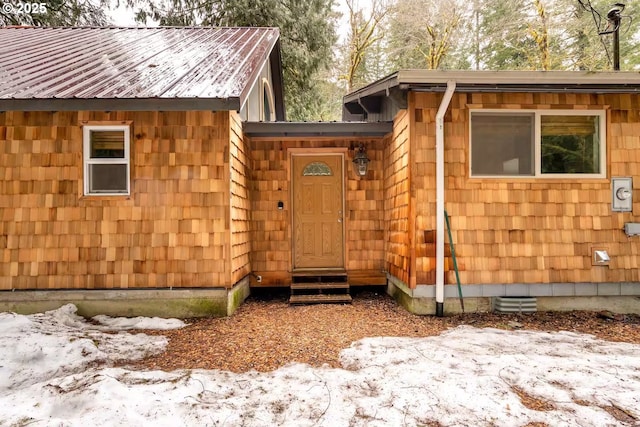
(525, 88)
(275, 59)
(121, 104)
(277, 80)
(317, 129)
(532, 78)
(379, 87)
(500, 81)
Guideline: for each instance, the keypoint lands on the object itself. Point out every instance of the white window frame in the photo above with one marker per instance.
(537, 142)
(266, 90)
(87, 160)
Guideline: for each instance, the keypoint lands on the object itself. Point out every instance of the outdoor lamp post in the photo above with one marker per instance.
(360, 161)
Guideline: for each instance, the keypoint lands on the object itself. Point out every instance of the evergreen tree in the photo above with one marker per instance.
(361, 54)
(425, 33)
(307, 30)
(504, 29)
(54, 13)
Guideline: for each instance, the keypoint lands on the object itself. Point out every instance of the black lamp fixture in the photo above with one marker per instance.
(360, 161)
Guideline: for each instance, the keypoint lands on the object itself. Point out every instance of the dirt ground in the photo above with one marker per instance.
(267, 333)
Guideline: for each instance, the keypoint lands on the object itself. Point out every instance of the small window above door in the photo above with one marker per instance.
(317, 169)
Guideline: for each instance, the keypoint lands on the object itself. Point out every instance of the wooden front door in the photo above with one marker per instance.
(318, 234)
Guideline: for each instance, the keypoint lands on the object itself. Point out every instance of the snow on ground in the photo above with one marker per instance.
(128, 323)
(464, 377)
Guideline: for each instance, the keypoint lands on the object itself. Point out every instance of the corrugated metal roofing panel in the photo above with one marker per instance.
(132, 63)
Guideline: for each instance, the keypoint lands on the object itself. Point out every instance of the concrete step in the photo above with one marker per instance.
(320, 299)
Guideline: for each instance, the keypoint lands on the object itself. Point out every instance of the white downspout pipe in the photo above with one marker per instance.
(442, 110)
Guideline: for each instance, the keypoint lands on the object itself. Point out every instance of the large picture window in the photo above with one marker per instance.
(106, 160)
(548, 144)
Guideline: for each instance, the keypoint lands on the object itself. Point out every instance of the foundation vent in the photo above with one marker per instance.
(515, 304)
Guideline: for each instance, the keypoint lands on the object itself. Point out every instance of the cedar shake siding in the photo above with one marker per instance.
(525, 230)
(397, 199)
(176, 229)
(271, 228)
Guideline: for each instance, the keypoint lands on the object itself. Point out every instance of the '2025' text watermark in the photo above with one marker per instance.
(24, 8)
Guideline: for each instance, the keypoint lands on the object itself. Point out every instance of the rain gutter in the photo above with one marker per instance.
(442, 110)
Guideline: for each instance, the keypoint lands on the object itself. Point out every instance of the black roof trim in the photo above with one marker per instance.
(377, 88)
(311, 129)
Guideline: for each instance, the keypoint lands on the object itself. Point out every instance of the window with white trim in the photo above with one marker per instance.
(538, 143)
(106, 160)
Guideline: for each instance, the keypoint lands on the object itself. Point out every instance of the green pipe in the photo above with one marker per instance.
(455, 262)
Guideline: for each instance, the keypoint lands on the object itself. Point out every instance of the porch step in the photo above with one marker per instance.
(316, 276)
(320, 299)
(318, 285)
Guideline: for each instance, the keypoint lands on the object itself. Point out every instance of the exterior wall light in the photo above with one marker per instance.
(360, 161)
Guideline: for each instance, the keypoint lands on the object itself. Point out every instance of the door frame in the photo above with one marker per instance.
(308, 152)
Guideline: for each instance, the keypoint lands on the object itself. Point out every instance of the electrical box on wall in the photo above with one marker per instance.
(632, 228)
(621, 194)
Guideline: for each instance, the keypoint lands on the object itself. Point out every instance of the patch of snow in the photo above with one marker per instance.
(463, 377)
(59, 342)
(128, 323)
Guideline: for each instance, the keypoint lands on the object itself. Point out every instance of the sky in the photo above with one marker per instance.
(49, 376)
(123, 17)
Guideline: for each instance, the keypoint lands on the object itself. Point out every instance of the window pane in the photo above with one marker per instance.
(108, 178)
(502, 144)
(570, 144)
(317, 169)
(266, 106)
(107, 144)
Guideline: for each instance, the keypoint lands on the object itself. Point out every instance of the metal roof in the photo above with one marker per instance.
(204, 67)
(500, 81)
(369, 98)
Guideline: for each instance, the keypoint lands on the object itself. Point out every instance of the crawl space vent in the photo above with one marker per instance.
(515, 304)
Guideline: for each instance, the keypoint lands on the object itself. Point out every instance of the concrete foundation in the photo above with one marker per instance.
(422, 303)
(615, 304)
(180, 303)
(427, 305)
